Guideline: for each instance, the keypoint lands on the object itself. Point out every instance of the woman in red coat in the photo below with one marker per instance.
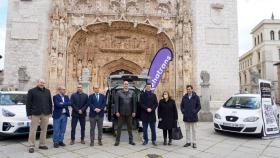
(168, 116)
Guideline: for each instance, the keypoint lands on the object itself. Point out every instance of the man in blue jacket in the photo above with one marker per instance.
(60, 114)
(190, 106)
(97, 103)
(79, 105)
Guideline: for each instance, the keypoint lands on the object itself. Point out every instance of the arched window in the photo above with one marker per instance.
(272, 35)
(258, 39)
(262, 37)
(255, 41)
(279, 34)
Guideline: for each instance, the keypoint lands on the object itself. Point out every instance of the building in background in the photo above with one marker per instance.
(258, 63)
(64, 41)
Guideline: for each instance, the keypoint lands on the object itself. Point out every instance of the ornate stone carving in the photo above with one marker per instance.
(23, 77)
(22, 74)
(106, 36)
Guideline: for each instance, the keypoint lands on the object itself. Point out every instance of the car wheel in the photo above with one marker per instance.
(260, 135)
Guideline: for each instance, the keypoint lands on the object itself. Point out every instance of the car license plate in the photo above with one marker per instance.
(232, 124)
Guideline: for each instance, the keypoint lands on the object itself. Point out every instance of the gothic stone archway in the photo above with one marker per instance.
(107, 47)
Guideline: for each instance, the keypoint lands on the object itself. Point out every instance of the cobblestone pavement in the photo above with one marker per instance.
(210, 145)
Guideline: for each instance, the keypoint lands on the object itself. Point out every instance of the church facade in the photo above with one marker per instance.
(58, 39)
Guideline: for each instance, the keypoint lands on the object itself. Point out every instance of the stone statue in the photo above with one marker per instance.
(60, 64)
(90, 67)
(205, 77)
(79, 68)
(205, 114)
(85, 75)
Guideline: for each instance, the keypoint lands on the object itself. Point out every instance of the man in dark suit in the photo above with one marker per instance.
(97, 103)
(60, 115)
(148, 103)
(190, 106)
(79, 102)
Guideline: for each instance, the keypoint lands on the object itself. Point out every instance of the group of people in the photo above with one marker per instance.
(41, 106)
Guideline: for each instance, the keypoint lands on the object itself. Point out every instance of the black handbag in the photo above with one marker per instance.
(177, 133)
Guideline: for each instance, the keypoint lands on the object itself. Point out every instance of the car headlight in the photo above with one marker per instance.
(251, 119)
(217, 116)
(7, 113)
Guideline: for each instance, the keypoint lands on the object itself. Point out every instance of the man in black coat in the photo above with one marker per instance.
(79, 105)
(38, 109)
(190, 107)
(148, 103)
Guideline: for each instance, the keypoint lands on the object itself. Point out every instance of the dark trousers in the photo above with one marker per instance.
(93, 122)
(165, 134)
(153, 131)
(128, 121)
(74, 123)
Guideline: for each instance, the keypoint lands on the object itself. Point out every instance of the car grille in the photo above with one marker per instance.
(250, 129)
(6, 126)
(235, 129)
(231, 118)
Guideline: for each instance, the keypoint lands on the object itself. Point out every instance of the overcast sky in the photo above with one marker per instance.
(250, 13)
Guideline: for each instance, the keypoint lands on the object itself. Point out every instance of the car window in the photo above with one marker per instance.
(243, 102)
(13, 99)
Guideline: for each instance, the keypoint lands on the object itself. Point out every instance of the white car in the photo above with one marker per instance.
(13, 119)
(242, 114)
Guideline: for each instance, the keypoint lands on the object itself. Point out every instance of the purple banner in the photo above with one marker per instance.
(159, 65)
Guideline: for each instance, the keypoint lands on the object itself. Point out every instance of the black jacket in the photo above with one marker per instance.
(190, 107)
(125, 102)
(39, 101)
(148, 100)
(167, 114)
(79, 102)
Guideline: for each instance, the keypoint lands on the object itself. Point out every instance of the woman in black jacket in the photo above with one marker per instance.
(168, 116)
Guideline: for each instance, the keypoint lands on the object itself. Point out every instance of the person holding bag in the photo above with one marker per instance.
(168, 116)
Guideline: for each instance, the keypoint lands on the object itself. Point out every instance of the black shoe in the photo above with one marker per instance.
(164, 142)
(170, 142)
(194, 145)
(31, 150)
(117, 143)
(56, 145)
(131, 143)
(187, 145)
(100, 142)
(43, 147)
(91, 143)
(154, 144)
(61, 144)
(145, 143)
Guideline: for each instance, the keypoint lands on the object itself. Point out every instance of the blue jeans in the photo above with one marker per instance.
(74, 123)
(59, 127)
(153, 131)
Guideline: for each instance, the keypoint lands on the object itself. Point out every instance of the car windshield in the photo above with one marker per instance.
(12, 99)
(243, 102)
(139, 83)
